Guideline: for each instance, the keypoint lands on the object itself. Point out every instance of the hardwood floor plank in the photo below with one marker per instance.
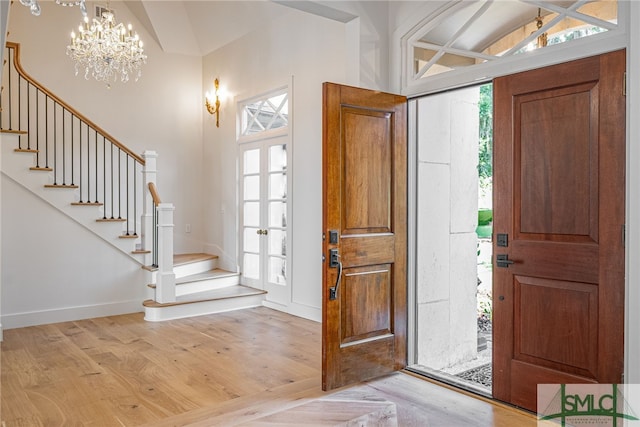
(250, 407)
(249, 367)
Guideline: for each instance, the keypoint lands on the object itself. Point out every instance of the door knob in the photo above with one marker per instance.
(503, 261)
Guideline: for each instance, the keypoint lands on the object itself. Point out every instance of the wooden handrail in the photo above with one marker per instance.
(16, 62)
(154, 194)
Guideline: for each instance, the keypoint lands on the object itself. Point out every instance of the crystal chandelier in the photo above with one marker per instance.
(34, 6)
(105, 49)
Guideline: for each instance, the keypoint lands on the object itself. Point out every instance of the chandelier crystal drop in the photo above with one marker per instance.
(35, 9)
(105, 50)
(33, 6)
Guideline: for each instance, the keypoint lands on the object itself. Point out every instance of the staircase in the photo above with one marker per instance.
(61, 156)
(201, 288)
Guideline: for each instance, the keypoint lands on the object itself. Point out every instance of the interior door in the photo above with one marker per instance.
(264, 238)
(364, 310)
(559, 185)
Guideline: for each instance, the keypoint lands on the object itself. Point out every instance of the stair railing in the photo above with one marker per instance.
(153, 191)
(157, 233)
(79, 153)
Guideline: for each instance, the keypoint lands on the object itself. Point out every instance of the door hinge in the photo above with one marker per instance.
(624, 84)
(624, 235)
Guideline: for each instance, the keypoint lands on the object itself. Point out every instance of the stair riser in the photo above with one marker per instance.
(202, 308)
(207, 285)
(194, 268)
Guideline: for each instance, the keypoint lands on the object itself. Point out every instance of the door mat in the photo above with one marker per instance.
(479, 375)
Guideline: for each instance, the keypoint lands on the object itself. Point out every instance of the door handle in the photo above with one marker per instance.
(334, 261)
(262, 232)
(503, 261)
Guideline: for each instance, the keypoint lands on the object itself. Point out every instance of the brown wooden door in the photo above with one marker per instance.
(559, 185)
(364, 220)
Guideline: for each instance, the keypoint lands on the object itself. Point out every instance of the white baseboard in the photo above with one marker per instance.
(68, 314)
(304, 311)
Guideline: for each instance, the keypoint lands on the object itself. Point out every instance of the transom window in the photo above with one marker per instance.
(472, 33)
(265, 113)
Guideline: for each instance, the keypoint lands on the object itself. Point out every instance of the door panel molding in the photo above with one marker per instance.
(364, 220)
(559, 193)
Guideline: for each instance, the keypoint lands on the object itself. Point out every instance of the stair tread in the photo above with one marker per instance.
(181, 259)
(184, 259)
(216, 294)
(216, 273)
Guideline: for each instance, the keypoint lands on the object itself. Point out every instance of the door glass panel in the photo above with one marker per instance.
(277, 271)
(277, 214)
(251, 266)
(264, 217)
(251, 240)
(277, 158)
(252, 214)
(252, 187)
(277, 242)
(277, 186)
(265, 113)
(251, 161)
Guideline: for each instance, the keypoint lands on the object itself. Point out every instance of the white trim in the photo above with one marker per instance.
(632, 267)
(551, 55)
(295, 309)
(285, 133)
(412, 214)
(67, 314)
(269, 133)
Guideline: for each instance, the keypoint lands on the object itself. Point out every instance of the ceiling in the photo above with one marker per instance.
(198, 27)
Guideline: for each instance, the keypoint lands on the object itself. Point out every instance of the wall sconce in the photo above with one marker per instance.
(215, 108)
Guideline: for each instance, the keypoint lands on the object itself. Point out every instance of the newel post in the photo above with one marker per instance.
(149, 173)
(165, 278)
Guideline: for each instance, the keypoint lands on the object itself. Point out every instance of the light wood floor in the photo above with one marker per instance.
(249, 367)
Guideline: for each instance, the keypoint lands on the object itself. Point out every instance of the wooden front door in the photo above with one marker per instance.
(559, 186)
(364, 303)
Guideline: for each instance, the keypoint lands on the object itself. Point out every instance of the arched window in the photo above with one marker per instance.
(472, 33)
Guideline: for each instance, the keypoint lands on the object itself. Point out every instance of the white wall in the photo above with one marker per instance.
(44, 280)
(312, 50)
(4, 18)
(56, 270)
(373, 41)
(160, 112)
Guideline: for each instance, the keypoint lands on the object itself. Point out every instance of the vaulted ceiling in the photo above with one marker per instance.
(198, 27)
